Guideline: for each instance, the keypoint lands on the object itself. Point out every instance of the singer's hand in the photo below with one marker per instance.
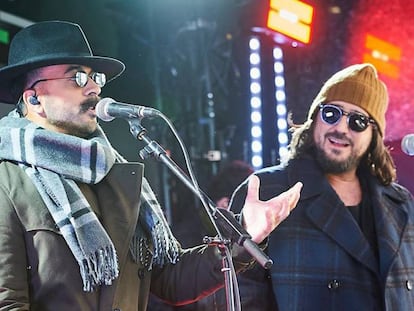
(262, 217)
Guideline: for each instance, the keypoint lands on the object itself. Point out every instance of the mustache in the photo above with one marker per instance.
(89, 103)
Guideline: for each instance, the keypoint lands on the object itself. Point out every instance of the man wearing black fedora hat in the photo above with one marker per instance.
(80, 229)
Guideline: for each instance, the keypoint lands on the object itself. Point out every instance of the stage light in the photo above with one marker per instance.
(255, 104)
(383, 55)
(4, 36)
(291, 18)
(280, 98)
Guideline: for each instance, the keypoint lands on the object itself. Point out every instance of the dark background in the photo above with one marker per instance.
(177, 52)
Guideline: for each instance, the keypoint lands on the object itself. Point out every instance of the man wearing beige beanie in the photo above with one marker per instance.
(349, 243)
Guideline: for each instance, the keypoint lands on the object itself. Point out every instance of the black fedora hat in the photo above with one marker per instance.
(51, 43)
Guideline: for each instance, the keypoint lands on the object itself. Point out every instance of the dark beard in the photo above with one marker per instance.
(335, 167)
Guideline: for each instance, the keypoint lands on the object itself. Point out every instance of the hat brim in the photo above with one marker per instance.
(110, 66)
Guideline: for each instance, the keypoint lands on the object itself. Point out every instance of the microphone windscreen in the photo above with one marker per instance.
(407, 144)
(101, 109)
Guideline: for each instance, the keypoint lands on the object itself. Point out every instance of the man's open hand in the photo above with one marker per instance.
(262, 217)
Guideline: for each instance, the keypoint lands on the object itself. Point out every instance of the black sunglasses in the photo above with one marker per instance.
(81, 78)
(332, 114)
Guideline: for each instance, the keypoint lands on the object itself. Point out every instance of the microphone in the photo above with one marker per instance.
(407, 144)
(108, 109)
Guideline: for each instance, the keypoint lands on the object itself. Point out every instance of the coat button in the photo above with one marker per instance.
(141, 273)
(409, 284)
(334, 284)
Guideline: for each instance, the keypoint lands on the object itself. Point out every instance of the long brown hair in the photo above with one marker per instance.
(379, 160)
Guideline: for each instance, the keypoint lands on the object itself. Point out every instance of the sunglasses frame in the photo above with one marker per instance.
(351, 120)
(98, 77)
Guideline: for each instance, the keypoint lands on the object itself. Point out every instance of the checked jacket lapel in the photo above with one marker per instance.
(392, 225)
(332, 217)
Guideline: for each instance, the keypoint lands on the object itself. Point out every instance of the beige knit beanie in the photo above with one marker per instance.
(358, 85)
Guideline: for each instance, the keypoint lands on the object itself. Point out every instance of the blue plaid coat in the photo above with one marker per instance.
(322, 260)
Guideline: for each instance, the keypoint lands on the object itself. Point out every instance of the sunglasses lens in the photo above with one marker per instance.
(331, 114)
(81, 78)
(99, 78)
(357, 122)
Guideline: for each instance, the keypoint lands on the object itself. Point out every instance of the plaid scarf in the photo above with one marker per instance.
(54, 161)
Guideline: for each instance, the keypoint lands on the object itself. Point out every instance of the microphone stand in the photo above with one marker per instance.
(224, 218)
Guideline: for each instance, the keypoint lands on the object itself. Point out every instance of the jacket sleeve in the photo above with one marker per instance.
(14, 292)
(196, 274)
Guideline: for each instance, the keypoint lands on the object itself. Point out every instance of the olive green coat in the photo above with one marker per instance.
(39, 272)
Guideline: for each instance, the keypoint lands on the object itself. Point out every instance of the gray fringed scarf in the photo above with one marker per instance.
(54, 161)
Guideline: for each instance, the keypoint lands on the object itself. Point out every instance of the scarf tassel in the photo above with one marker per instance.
(99, 268)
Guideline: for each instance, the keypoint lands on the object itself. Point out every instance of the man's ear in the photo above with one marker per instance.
(29, 97)
(33, 106)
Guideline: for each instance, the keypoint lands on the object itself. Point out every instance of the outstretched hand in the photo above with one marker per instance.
(262, 217)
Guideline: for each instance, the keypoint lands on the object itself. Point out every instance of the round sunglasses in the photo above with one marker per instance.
(81, 78)
(332, 114)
